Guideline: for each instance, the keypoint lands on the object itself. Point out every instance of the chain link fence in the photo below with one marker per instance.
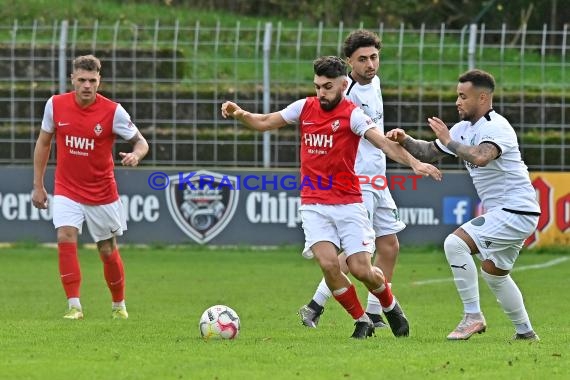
(173, 78)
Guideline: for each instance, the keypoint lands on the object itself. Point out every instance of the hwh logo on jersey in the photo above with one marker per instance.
(79, 142)
(318, 141)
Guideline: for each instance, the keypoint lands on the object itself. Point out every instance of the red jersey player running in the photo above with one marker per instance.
(331, 209)
(86, 124)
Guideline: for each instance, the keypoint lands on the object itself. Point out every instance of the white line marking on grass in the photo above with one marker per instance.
(516, 269)
(547, 264)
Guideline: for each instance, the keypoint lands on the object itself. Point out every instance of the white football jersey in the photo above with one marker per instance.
(504, 183)
(371, 161)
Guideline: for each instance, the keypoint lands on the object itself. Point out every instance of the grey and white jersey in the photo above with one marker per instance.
(371, 161)
(504, 182)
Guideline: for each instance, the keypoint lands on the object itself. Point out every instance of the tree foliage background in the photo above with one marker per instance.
(413, 13)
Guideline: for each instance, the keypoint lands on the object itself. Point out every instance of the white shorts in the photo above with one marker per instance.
(103, 221)
(385, 221)
(500, 235)
(345, 226)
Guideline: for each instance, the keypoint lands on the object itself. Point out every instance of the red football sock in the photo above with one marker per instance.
(69, 269)
(385, 296)
(114, 275)
(349, 300)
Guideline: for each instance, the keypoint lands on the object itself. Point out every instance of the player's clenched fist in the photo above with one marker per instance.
(231, 109)
(398, 135)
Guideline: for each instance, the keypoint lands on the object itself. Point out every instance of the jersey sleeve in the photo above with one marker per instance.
(379, 120)
(502, 138)
(360, 122)
(293, 111)
(122, 124)
(47, 121)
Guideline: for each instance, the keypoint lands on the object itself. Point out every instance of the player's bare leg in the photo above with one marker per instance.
(326, 254)
(360, 267)
(311, 313)
(387, 250)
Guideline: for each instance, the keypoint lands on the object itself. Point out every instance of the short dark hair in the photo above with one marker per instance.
(329, 66)
(479, 78)
(360, 38)
(87, 63)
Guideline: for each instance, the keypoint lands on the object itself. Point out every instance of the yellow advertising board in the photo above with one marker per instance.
(553, 193)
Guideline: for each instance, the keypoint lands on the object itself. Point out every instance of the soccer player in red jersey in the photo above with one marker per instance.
(362, 51)
(331, 209)
(85, 125)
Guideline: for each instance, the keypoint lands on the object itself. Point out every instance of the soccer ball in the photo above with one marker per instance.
(219, 322)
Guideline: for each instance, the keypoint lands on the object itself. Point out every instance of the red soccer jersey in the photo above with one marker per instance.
(84, 141)
(328, 153)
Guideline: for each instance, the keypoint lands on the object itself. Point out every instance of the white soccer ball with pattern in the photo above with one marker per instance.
(219, 322)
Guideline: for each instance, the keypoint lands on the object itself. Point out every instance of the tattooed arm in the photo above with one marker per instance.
(424, 151)
(479, 155)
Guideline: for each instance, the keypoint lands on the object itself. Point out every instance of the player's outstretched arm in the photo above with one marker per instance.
(258, 121)
(479, 155)
(399, 154)
(140, 149)
(425, 151)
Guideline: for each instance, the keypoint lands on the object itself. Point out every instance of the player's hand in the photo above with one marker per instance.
(425, 169)
(440, 130)
(230, 109)
(129, 159)
(398, 135)
(40, 198)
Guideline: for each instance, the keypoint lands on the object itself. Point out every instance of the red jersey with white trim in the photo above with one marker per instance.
(84, 141)
(329, 143)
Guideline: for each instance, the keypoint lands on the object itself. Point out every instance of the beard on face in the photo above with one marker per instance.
(329, 105)
(369, 74)
(470, 117)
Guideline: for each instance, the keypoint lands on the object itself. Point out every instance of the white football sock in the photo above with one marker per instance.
(464, 272)
(119, 305)
(510, 298)
(373, 306)
(322, 294)
(74, 302)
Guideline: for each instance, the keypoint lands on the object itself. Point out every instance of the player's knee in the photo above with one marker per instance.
(329, 266)
(454, 247)
(66, 234)
(388, 246)
(368, 274)
(106, 247)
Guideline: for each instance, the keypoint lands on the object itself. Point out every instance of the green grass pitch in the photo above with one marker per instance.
(169, 288)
